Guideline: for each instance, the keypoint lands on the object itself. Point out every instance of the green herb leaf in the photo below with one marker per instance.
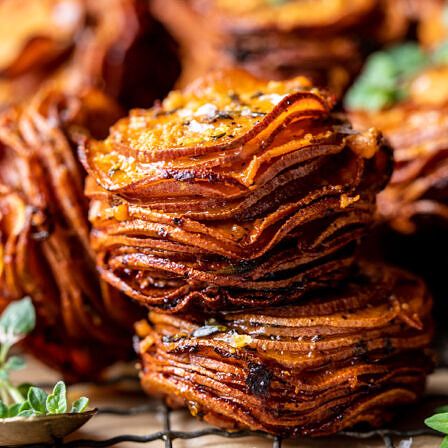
(13, 410)
(409, 59)
(444, 443)
(385, 77)
(439, 422)
(24, 406)
(57, 402)
(380, 71)
(371, 98)
(80, 405)
(27, 413)
(14, 363)
(24, 388)
(3, 410)
(18, 319)
(37, 399)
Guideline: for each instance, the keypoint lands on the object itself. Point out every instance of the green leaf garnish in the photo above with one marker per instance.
(3, 410)
(18, 319)
(387, 74)
(13, 410)
(370, 98)
(80, 405)
(439, 422)
(25, 406)
(14, 363)
(380, 71)
(26, 400)
(24, 388)
(409, 59)
(26, 413)
(37, 399)
(57, 401)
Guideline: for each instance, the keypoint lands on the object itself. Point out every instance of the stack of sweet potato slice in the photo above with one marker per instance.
(235, 192)
(228, 199)
(338, 358)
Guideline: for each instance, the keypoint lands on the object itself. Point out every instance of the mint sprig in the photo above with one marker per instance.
(26, 400)
(387, 75)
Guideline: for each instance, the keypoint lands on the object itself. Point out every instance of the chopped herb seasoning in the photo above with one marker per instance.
(218, 136)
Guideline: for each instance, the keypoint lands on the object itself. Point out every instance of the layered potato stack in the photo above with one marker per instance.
(227, 199)
(323, 39)
(112, 44)
(341, 357)
(83, 324)
(417, 128)
(234, 192)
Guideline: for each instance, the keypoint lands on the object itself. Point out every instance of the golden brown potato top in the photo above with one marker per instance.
(214, 111)
(288, 15)
(44, 28)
